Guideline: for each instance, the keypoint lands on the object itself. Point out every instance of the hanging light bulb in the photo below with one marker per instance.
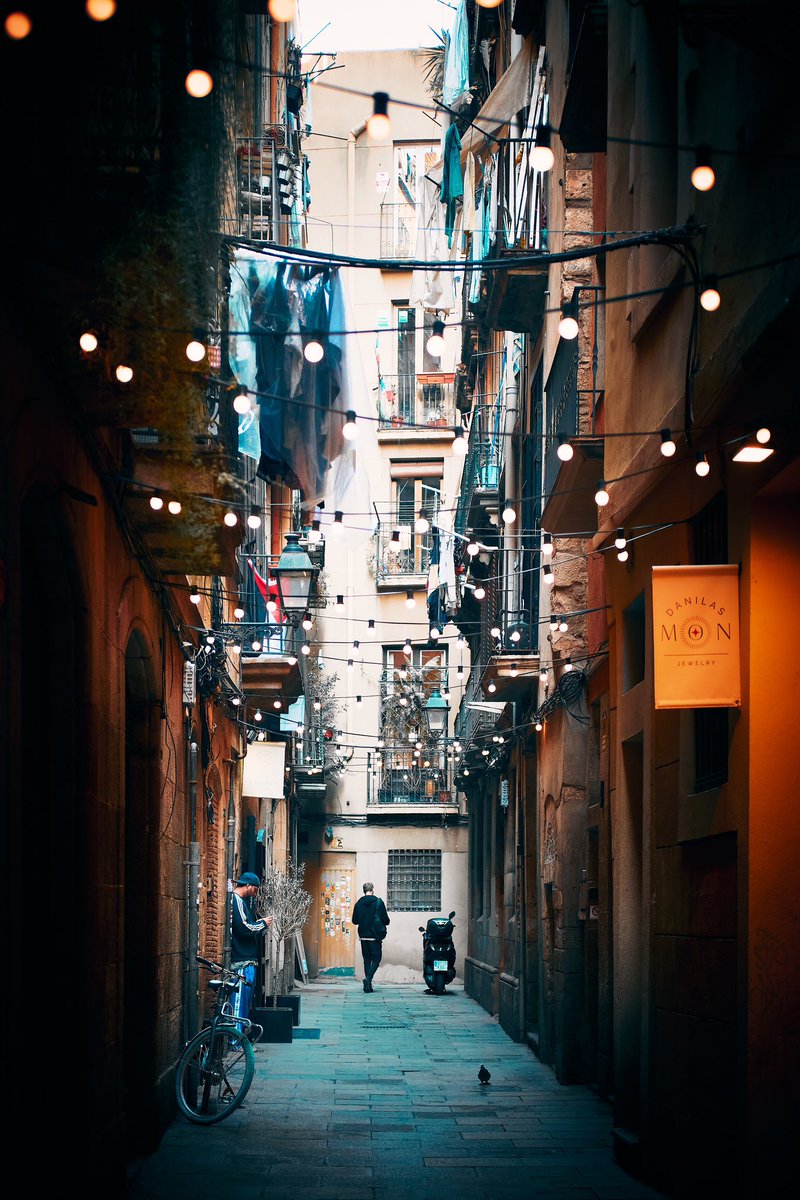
(101, 10)
(702, 465)
(514, 672)
(371, 628)
(565, 450)
(472, 546)
(480, 592)
(236, 701)
(492, 687)
(543, 674)
(568, 324)
(195, 350)
(156, 501)
(276, 703)
(407, 648)
(314, 534)
(667, 444)
(422, 524)
(241, 401)
(403, 702)
(350, 429)
(434, 633)
(710, 298)
(238, 612)
(272, 603)
(350, 666)
(123, 373)
(339, 605)
(254, 517)
(88, 342)
(257, 715)
(461, 641)
(174, 506)
(622, 555)
(291, 659)
(338, 524)
(230, 518)
(547, 545)
(194, 596)
(459, 445)
(17, 26)
(305, 649)
(198, 83)
(282, 10)
(509, 514)
(763, 435)
(445, 692)
(563, 625)
(379, 126)
(567, 664)
(515, 635)
(601, 496)
(313, 351)
(317, 705)
(547, 573)
(307, 622)
(255, 645)
(620, 540)
(538, 727)
(394, 542)
(435, 344)
(703, 177)
(495, 631)
(410, 601)
(553, 622)
(359, 702)
(542, 157)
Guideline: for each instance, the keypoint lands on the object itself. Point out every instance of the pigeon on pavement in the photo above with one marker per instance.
(484, 1075)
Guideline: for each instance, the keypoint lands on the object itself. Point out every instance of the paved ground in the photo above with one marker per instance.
(386, 1104)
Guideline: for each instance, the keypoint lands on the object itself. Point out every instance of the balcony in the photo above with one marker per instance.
(398, 230)
(400, 783)
(417, 404)
(509, 667)
(482, 466)
(477, 717)
(270, 669)
(569, 487)
(406, 567)
(515, 298)
(268, 178)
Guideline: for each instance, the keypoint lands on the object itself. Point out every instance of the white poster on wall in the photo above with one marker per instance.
(263, 770)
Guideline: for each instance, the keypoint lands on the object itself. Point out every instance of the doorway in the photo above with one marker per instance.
(329, 935)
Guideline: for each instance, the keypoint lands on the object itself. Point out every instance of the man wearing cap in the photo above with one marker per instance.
(247, 931)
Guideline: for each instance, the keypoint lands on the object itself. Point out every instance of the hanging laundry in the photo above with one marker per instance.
(452, 189)
(455, 86)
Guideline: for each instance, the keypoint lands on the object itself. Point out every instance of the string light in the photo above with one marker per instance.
(547, 545)
(156, 501)
(394, 542)
(254, 518)
(538, 726)
(480, 592)
(317, 705)
(702, 466)
(547, 573)
(313, 351)
(174, 506)
(282, 10)
(542, 157)
(371, 628)
(18, 25)
(88, 342)
(434, 633)
(565, 450)
(276, 703)
(459, 445)
(379, 126)
(472, 546)
(568, 664)
(337, 525)
(563, 625)
(553, 623)
(305, 649)
(350, 664)
(339, 605)
(350, 429)
(422, 524)
(515, 635)
(257, 715)
(410, 601)
(435, 344)
(509, 515)
(622, 555)
(238, 612)
(101, 10)
(255, 645)
(601, 496)
(668, 446)
(514, 672)
(307, 621)
(763, 435)
(198, 83)
(195, 351)
(314, 534)
(495, 631)
(710, 299)
(568, 325)
(407, 648)
(230, 518)
(703, 177)
(194, 597)
(124, 373)
(543, 674)
(461, 641)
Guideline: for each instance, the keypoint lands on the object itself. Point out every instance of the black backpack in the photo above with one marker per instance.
(378, 927)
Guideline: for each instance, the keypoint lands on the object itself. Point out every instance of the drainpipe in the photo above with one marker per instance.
(193, 885)
(230, 844)
(352, 137)
(511, 532)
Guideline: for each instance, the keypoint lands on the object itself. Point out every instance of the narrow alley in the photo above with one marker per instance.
(378, 1098)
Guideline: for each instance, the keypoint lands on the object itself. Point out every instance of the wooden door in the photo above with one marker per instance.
(334, 906)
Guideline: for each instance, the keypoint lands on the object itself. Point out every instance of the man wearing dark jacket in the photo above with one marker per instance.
(368, 907)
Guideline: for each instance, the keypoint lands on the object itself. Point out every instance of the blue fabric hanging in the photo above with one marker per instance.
(452, 186)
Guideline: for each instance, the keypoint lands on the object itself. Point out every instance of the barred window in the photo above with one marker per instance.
(415, 881)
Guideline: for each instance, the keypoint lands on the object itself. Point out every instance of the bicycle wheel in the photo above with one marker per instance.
(213, 1077)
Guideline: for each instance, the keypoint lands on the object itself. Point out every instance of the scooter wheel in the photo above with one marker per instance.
(438, 984)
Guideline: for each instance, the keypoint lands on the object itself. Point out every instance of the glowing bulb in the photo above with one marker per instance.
(101, 10)
(763, 435)
(194, 597)
(18, 25)
(371, 628)
(459, 445)
(710, 299)
(88, 341)
(422, 524)
(514, 672)
(314, 534)
(195, 351)
(305, 648)
(238, 612)
(434, 633)
(568, 328)
(317, 705)
(509, 515)
(282, 10)
(255, 645)
(622, 555)
(379, 126)
(515, 636)
(547, 545)
(174, 506)
(703, 177)
(472, 547)
(276, 703)
(241, 402)
(435, 345)
(410, 601)
(407, 648)
(492, 687)
(337, 525)
(494, 631)
(339, 605)
(313, 351)
(601, 496)
(553, 623)
(236, 701)
(542, 157)
(538, 726)
(667, 444)
(156, 502)
(480, 592)
(565, 450)
(124, 374)
(620, 539)
(350, 429)
(254, 519)
(257, 715)
(230, 518)
(547, 573)
(543, 674)
(702, 466)
(563, 625)
(307, 622)
(394, 542)
(198, 83)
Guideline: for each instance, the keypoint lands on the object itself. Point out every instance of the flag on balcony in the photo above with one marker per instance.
(269, 593)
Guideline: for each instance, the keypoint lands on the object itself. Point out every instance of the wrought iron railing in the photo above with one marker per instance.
(413, 556)
(399, 778)
(563, 411)
(522, 198)
(416, 400)
(484, 462)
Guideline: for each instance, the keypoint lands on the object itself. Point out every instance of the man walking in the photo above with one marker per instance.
(371, 918)
(247, 931)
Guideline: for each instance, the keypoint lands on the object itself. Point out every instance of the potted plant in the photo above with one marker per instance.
(283, 897)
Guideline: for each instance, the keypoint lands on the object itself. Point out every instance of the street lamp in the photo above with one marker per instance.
(436, 710)
(295, 574)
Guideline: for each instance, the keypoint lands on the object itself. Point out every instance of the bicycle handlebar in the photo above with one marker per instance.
(214, 966)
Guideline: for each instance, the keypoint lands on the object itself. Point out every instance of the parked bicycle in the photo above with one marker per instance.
(217, 1066)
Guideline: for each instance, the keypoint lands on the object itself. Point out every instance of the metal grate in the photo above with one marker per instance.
(415, 880)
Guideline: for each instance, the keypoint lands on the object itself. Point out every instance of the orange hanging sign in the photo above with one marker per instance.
(696, 636)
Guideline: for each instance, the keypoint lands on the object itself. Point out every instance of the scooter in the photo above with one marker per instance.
(438, 954)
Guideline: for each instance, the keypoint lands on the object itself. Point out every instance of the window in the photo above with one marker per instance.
(415, 881)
